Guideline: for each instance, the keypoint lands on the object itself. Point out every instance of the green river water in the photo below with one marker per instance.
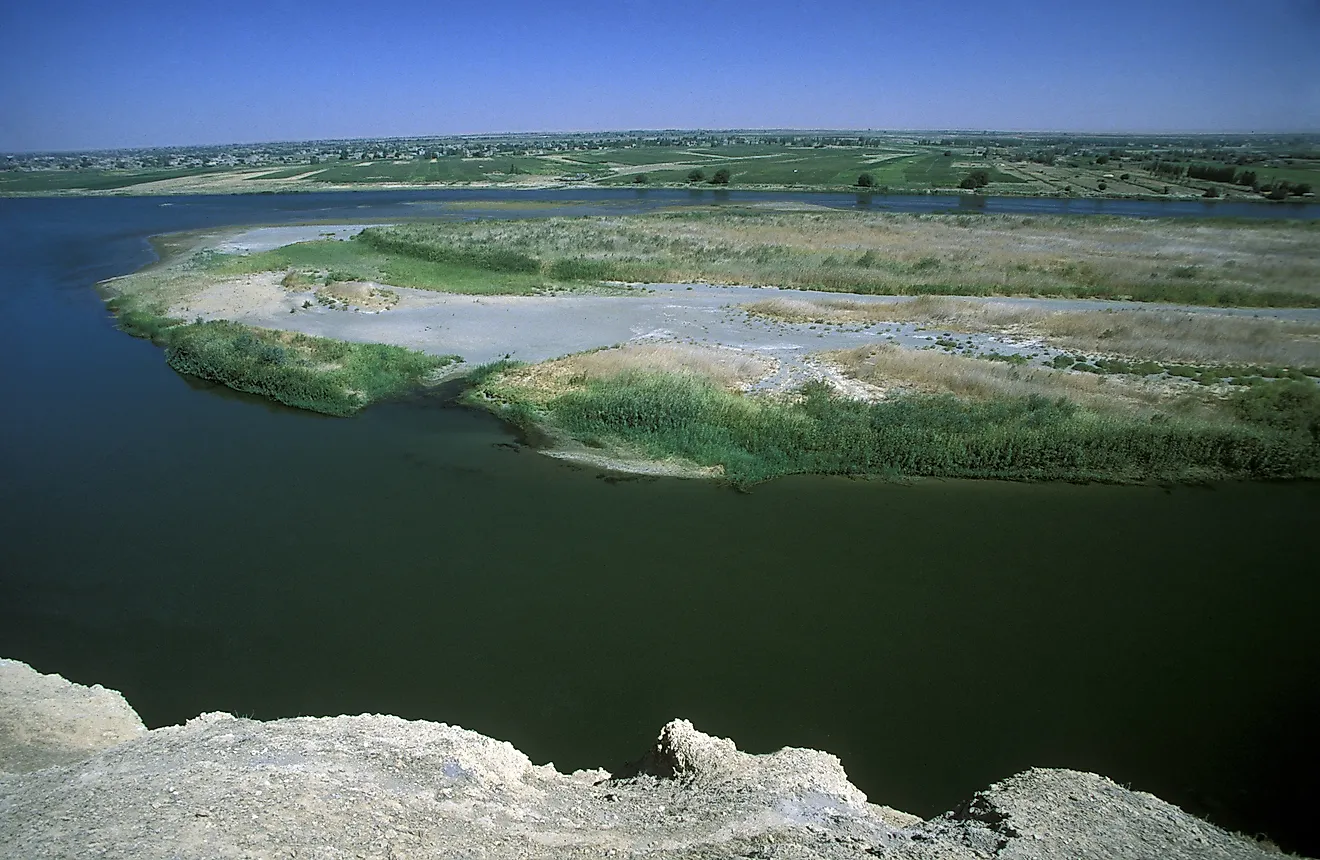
(201, 550)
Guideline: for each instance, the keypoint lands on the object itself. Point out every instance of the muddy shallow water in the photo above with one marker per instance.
(200, 550)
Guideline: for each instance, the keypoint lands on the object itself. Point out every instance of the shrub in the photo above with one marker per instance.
(492, 259)
(582, 269)
(975, 179)
(696, 175)
(721, 177)
(1289, 405)
(866, 180)
(640, 179)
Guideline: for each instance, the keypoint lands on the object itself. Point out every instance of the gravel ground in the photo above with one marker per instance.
(537, 328)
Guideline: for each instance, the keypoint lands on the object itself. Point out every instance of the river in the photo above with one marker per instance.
(201, 550)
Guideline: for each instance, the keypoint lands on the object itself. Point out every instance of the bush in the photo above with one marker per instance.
(1102, 186)
(721, 177)
(696, 175)
(492, 259)
(640, 179)
(975, 179)
(582, 269)
(1288, 405)
(866, 180)
(313, 373)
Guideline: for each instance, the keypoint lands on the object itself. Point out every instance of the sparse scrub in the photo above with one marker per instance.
(889, 368)
(985, 255)
(1136, 333)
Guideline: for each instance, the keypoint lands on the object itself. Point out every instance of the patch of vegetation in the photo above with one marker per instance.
(1029, 438)
(452, 270)
(883, 254)
(322, 375)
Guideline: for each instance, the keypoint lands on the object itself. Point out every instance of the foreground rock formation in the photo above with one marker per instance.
(86, 780)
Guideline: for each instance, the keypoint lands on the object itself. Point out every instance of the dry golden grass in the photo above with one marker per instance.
(361, 294)
(728, 368)
(1156, 335)
(891, 367)
(922, 254)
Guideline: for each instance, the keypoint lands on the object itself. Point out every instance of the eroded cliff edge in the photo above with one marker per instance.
(84, 779)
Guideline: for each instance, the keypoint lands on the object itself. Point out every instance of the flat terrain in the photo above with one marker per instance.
(892, 163)
(568, 334)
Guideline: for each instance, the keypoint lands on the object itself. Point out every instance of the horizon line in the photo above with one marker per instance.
(696, 130)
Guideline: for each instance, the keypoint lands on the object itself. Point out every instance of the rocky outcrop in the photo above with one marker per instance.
(46, 720)
(384, 787)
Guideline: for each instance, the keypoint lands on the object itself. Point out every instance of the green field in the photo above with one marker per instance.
(898, 169)
(831, 167)
(448, 169)
(19, 182)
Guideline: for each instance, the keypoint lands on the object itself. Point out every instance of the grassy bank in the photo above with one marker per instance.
(1267, 433)
(318, 374)
(1212, 264)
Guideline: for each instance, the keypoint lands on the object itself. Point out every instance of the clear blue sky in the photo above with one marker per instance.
(107, 74)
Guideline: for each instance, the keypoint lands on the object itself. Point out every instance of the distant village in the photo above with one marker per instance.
(486, 146)
(1039, 147)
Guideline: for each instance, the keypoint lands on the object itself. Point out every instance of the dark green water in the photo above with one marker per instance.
(204, 551)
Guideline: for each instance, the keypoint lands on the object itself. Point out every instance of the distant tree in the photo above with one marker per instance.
(1247, 178)
(1278, 192)
(975, 179)
(721, 177)
(948, 153)
(696, 176)
(866, 180)
(1103, 185)
(1103, 159)
(640, 179)
(1301, 189)
(1166, 190)
(1125, 177)
(1211, 192)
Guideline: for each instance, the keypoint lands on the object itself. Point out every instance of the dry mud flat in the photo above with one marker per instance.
(384, 787)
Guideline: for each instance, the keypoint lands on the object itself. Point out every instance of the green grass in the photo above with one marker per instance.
(447, 169)
(322, 375)
(22, 182)
(815, 167)
(1033, 438)
(358, 259)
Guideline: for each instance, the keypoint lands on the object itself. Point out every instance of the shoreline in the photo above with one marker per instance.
(684, 339)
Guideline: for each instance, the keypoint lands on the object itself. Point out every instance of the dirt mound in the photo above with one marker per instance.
(384, 787)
